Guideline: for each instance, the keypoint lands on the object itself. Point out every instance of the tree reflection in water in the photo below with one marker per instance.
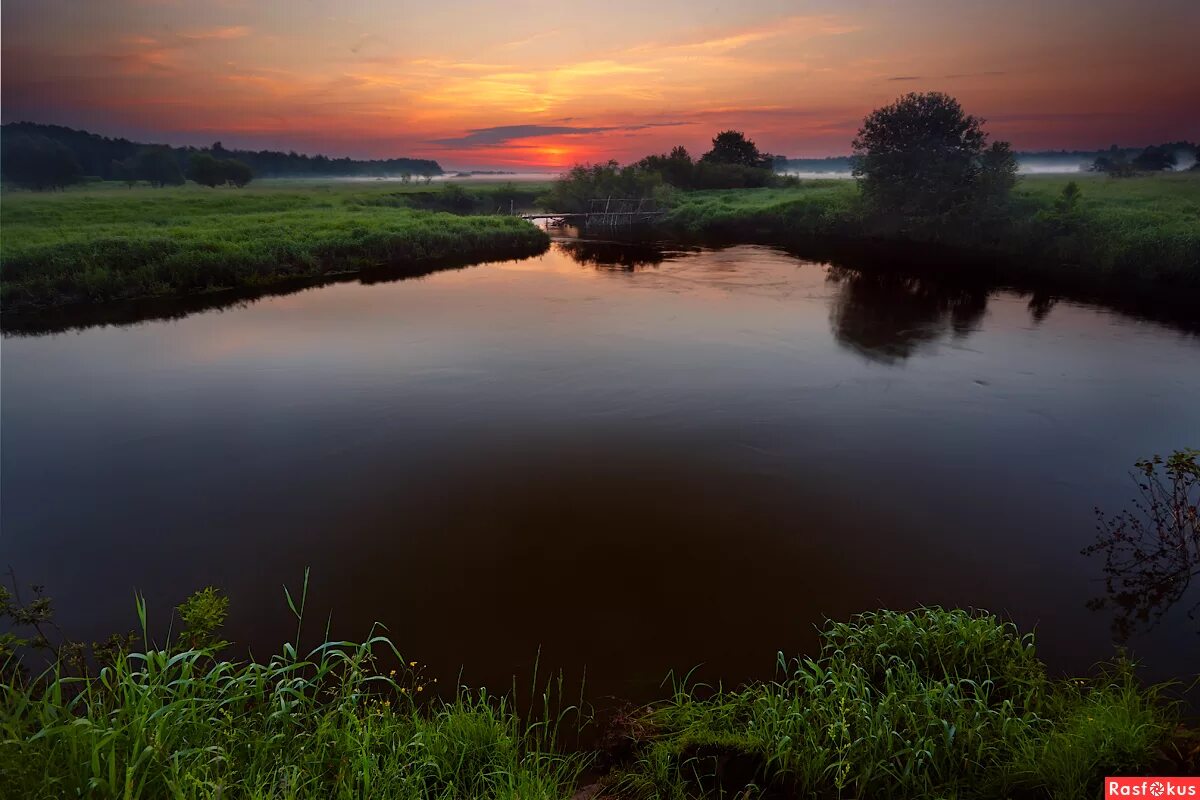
(887, 316)
(624, 255)
(1151, 549)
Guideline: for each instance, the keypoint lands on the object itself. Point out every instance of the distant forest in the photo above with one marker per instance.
(101, 156)
(1184, 152)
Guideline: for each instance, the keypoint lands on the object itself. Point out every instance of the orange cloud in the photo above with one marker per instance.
(229, 32)
(376, 79)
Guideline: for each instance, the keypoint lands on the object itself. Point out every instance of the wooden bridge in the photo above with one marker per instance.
(607, 212)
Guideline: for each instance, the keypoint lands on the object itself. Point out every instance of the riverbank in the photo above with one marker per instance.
(927, 703)
(101, 244)
(1141, 231)
(107, 244)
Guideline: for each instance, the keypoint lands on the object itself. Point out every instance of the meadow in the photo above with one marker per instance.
(930, 703)
(1110, 232)
(109, 242)
(105, 242)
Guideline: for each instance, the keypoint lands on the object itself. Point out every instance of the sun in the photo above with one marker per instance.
(553, 156)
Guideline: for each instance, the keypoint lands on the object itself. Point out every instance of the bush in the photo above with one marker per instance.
(939, 644)
(574, 191)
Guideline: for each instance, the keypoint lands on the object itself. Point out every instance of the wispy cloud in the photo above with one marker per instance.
(228, 32)
(951, 77)
(518, 43)
(793, 28)
(504, 134)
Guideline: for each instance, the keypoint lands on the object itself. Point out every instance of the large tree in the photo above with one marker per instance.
(732, 147)
(1154, 159)
(923, 156)
(205, 170)
(159, 166)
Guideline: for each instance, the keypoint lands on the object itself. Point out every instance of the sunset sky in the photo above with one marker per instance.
(523, 84)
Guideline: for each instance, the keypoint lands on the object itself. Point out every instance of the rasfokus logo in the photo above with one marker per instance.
(1151, 787)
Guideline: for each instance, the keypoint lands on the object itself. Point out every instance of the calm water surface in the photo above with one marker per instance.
(632, 462)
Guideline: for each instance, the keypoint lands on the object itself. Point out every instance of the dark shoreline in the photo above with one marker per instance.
(1174, 307)
(120, 313)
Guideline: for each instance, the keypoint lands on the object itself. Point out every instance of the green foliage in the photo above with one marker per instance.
(583, 183)
(206, 170)
(25, 624)
(1154, 158)
(733, 163)
(923, 157)
(1107, 233)
(1152, 548)
(928, 703)
(1106, 726)
(182, 722)
(1114, 164)
(36, 162)
(1067, 203)
(732, 147)
(158, 166)
(931, 703)
(108, 245)
(939, 644)
(101, 155)
(676, 168)
(237, 172)
(202, 614)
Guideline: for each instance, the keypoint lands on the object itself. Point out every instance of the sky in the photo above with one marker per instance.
(541, 85)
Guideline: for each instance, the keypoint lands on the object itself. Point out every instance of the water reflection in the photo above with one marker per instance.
(604, 254)
(1040, 306)
(887, 317)
(1152, 548)
(886, 309)
(694, 461)
(149, 309)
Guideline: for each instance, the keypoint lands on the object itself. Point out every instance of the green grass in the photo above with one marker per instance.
(931, 703)
(181, 722)
(110, 243)
(1144, 229)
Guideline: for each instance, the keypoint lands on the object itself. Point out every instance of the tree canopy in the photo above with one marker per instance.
(36, 162)
(732, 147)
(1154, 159)
(924, 156)
(158, 166)
(100, 156)
(206, 170)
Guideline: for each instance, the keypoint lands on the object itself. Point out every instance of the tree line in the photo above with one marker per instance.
(52, 156)
(919, 161)
(1123, 163)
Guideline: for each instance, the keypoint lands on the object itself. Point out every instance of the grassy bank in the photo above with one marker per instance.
(1144, 229)
(927, 704)
(110, 243)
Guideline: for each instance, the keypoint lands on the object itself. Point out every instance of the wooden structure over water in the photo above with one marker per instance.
(604, 212)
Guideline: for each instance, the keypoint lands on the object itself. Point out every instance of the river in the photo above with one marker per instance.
(619, 460)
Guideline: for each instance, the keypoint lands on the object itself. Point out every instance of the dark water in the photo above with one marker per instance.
(630, 460)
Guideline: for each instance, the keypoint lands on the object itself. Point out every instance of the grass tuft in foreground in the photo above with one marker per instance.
(931, 703)
(182, 722)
